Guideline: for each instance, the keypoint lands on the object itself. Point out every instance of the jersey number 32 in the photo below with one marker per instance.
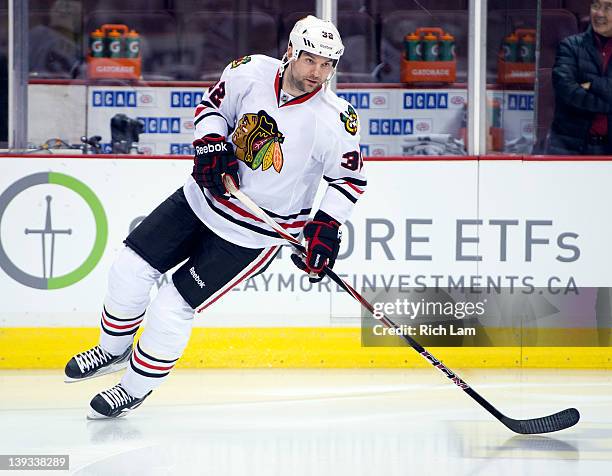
(352, 160)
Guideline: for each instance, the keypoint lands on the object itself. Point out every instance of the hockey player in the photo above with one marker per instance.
(276, 129)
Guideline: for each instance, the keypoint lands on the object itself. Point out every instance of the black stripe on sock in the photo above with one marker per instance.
(122, 320)
(154, 358)
(118, 334)
(146, 374)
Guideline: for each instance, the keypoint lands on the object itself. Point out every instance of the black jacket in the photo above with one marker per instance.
(579, 61)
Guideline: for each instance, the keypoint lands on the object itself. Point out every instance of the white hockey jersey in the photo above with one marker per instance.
(284, 152)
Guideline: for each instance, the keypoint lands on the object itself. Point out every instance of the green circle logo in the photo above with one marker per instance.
(99, 244)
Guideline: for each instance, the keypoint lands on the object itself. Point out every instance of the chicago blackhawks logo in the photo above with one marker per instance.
(350, 120)
(258, 141)
(239, 61)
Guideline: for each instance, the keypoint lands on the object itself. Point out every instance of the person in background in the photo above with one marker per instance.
(582, 81)
(54, 49)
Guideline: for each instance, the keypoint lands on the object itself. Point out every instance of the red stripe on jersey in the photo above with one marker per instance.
(295, 224)
(149, 366)
(236, 208)
(277, 86)
(198, 110)
(244, 213)
(239, 280)
(359, 191)
(297, 100)
(301, 99)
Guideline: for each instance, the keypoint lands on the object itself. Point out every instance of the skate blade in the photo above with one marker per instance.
(94, 415)
(108, 370)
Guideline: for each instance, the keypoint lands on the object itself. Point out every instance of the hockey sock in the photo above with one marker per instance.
(129, 284)
(169, 323)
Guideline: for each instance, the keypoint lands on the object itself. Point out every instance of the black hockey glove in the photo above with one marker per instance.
(213, 157)
(322, 236)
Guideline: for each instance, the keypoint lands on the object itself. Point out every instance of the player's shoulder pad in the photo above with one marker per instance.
(251, 64)
(343, 112)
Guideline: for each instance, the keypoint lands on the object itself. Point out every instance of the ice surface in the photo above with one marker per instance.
(314, 422)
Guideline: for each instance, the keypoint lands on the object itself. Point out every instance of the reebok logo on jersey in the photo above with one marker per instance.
(196, 277)
(210, 148)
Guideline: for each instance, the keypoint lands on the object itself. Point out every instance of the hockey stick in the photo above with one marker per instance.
(555, 422)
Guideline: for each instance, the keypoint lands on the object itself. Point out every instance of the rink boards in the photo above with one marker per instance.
(419, 221)
(390, 117)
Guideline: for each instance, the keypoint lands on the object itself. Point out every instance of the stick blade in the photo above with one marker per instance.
(555, 422)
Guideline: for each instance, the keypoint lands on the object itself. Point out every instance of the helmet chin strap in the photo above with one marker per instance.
(327, 82)
(284, 63)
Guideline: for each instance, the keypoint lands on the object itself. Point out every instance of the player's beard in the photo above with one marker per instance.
(301, 84)
(308, 86)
